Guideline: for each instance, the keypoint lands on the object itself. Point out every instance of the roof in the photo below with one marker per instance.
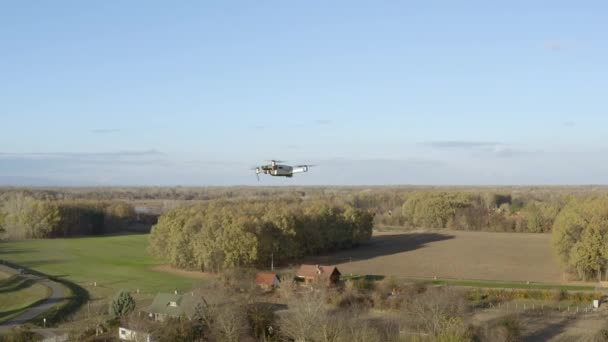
(183, 304)
(269, 279)
(312, 271)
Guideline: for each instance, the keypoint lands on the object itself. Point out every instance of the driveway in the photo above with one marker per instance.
(55, 297)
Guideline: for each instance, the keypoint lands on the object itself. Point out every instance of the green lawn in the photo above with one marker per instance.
(17, 294)
(114, 262)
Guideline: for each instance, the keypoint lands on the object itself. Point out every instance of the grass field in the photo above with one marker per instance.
(17, 294)
(458, 257)
(113, 262)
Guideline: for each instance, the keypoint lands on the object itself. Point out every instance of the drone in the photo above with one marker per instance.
(279, 170)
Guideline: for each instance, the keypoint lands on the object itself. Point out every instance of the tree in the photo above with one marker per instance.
(122, 304)
(228, 322)
(25, 217)
(438, 312)
(580, 233)
(307, 315)
(587, 255)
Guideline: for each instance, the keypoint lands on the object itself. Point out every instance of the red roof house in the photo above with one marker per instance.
(267, 280)
(309, 274)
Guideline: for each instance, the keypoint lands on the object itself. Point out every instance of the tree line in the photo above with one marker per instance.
(225, 234)
(505, 209)
(482, 210)
(26, 217)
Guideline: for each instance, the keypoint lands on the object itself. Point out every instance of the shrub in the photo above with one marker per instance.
(560, 295)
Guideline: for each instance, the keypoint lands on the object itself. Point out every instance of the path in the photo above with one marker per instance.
(55, 297)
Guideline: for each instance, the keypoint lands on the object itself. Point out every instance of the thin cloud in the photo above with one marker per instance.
(555, 46)
(323, 122)
(81, 167)
(508, 152)
(82, 155)
(480, 148)
(105, 130)
(383, 162)
(461, 144)
(569, 123)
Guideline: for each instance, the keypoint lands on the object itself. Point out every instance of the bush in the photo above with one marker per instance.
(353, 300)
(505, 330)
(362, 284)
(19, 335)
(560, 295)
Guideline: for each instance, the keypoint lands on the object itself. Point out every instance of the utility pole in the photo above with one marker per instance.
(272, 261)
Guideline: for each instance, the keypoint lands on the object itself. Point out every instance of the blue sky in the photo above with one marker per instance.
(374, 92)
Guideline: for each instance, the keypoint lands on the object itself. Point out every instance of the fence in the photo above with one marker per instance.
(564, 309)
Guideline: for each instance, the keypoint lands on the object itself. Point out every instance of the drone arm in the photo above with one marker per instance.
(299, 169)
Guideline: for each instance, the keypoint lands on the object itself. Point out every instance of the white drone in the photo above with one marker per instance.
(279, 170)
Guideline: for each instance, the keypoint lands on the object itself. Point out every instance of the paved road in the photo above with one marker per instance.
(56, 296)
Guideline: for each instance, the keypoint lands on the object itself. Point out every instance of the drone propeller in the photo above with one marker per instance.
(276, 161)
(306, 165)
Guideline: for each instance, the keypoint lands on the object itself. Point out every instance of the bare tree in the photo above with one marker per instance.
(306, 314)
(228, 322)
(437, 311)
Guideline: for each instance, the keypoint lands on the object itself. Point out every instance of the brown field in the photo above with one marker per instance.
(454, 255)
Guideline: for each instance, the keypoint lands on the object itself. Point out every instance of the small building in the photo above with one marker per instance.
(311, 274)
(173, 305)
(267, 281)
(125, 334)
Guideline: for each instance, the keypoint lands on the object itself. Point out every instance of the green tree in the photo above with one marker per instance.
(122, 304)
(579, 235)
(25, 217)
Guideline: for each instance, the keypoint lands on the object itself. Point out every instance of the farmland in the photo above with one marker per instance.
(453, 255)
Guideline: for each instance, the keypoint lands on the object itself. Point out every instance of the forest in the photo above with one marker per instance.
(223, 234)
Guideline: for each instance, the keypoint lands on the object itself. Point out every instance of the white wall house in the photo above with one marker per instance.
(125, 334)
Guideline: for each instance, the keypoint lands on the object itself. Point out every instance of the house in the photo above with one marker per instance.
(57, 338)
(267, 281)
(125, 334)
(173, 305)
(310, 274)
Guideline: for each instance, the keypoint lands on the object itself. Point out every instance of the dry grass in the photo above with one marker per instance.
(454, 255)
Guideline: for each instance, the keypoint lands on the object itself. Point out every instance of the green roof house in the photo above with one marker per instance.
(173, 305)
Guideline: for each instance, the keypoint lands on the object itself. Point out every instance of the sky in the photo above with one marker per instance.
(372, 92)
